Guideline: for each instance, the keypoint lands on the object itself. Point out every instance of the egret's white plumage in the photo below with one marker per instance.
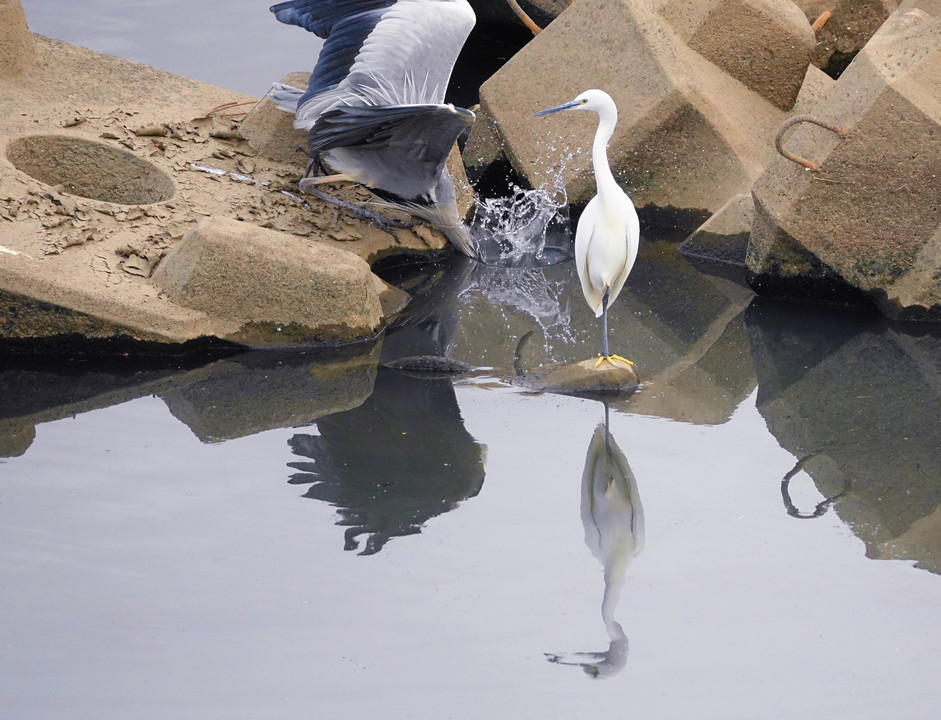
(374, 108)
(608, 232)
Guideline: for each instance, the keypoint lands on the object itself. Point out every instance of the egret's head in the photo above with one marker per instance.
(595, 100)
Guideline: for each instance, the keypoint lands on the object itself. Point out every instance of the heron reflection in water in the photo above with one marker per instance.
(613, 519)
(404, 455)
(374, 107)
(393, 463)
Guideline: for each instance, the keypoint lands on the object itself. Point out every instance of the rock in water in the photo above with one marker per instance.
(588, 377)
(429, 364)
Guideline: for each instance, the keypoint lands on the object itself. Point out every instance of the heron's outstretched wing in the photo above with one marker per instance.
(379, 52)
(400, 148)
(345, 24)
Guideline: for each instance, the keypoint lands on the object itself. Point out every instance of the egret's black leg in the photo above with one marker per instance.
(606, 356)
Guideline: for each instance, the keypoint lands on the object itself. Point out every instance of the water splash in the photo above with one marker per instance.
(525, 228)
(531, 291)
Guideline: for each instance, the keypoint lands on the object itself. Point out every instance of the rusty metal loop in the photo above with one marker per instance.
(796, 120)
(789, 505)
(821, 21)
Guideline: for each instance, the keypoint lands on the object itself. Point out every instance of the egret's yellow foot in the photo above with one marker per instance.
(613, 359)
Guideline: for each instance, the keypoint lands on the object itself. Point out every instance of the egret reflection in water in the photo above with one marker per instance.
(613, 518)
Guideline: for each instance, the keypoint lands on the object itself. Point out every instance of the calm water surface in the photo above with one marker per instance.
(292, 536)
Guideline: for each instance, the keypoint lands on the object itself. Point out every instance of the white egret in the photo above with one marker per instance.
(608, 231)
(374, 108)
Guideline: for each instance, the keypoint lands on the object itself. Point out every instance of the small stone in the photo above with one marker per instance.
(152, 131)
(136, 265)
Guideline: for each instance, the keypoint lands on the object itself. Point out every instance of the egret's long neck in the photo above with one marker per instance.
(607, 119)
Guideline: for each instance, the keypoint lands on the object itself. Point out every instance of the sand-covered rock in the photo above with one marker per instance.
(260, 286)
(17, 52)
(106, 165)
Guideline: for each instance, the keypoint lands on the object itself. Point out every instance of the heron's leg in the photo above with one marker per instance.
(307, 182)
(313, 163)
(383, 223)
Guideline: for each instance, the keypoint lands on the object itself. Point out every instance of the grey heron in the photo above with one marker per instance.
(374, 107)
(608, 232)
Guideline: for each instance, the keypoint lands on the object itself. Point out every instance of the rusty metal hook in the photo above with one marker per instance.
(821, 507)
(796, 120)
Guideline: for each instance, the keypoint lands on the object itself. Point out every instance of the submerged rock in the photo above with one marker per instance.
(588, 377)
(429, 365)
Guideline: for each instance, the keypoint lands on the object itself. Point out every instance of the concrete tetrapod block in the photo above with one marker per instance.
(764, 44)
(865, 225)
(814, 89)
(271, 132)
(268, 288)
(17, 51)
(847, 29)
(689, 136)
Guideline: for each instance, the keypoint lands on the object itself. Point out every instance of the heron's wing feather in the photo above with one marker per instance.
(344, 24)
(399, 149)
(320, 16)
(379, 52)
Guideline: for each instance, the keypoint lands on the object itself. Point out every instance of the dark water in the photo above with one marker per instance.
(307, 535)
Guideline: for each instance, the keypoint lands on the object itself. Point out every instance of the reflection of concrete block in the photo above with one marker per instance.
(251, 393)
(723, 238)
(268, 288)
(921, 543)
(867, 225)
(764, 44)
(858, 406)
(690, 135)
